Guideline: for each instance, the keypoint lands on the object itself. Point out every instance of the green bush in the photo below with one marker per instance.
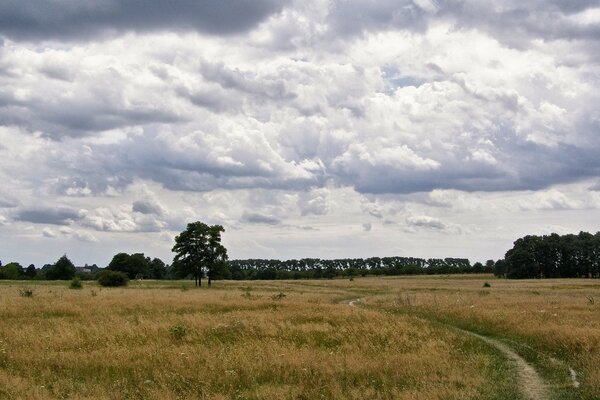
(178, 331)
(75, 283)
(112, 278)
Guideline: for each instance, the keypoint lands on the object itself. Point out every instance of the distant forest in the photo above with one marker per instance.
(549, 256)
(552, 256)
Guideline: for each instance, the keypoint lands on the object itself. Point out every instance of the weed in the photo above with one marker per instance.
(591, 300)
(93, 293)
(247, 292)
(487, 284)
(75, 283)
(178, 331)
(26, 292)
(278, 296)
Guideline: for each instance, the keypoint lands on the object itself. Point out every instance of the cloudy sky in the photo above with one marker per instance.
(317, 128)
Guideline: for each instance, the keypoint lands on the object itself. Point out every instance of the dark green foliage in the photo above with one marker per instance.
(478, 267)
(198, 251)
(12, 270)
(552, 256)
(314, 268)
(63, 269)
(134, 265)
(31, 272)
(110, 278)
(138, 266)
(178, 331)
(157, 269)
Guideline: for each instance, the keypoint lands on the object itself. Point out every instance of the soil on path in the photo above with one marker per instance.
(531, 385)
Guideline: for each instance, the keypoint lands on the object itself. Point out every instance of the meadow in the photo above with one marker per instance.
(366, 338)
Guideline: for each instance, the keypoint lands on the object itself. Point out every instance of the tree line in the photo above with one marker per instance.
(552, 256)
(139, 266)
(314, 268)
(199, 254)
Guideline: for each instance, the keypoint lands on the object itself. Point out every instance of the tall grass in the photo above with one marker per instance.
(157, 341)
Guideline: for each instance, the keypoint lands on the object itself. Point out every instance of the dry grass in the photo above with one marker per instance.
(159, 341)
(555, 324)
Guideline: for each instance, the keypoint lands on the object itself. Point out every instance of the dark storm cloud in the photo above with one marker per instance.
(48, 215)
(147, 207)
(82, 19)
(518, 22)
(521, 165)
(77, 116)
(512, 22)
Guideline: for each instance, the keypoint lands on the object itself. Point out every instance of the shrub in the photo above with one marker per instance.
(178, 331)
(75, 283)
(26, 292)
(487, 284)
(112, 278)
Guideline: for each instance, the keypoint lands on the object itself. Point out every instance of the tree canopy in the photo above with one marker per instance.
(198, 250)
(63, 268)
(552, 256)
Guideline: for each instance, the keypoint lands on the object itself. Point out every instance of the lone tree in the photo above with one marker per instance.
(199, 248)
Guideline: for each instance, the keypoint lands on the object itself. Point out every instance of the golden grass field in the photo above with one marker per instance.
(240, 340)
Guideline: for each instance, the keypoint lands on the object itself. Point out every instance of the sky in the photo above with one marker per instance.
(309, 128)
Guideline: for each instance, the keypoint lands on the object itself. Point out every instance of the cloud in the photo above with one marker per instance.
(49, 215)
(431, 117)
(424, 221)
(313, 203)
(258, 218)
(76, 20)
(122, 219)
(68, 232)
(150, 206)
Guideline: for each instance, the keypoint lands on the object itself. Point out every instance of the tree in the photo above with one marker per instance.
(63, 269)
(477, 268)
(134, 265)
(198, 248)
(31, 271)
(157, 269)
(12, 270)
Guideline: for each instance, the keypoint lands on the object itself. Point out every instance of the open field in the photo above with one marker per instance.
(405, 338)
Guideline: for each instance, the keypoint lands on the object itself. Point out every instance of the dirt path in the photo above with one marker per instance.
(532, 386)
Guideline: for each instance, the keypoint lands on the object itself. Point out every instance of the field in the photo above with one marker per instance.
(369, 338)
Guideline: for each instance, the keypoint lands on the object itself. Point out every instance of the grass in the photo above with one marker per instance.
(296, 339)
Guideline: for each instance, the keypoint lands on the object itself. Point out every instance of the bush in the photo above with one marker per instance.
(178, 331)
(487, 284)
(112, 278)
(75, 283)
(26, 292)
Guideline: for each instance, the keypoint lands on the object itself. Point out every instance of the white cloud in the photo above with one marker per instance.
(416, 118)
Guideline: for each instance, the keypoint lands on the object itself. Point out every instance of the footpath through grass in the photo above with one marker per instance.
(237, 340)
(554, 325)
